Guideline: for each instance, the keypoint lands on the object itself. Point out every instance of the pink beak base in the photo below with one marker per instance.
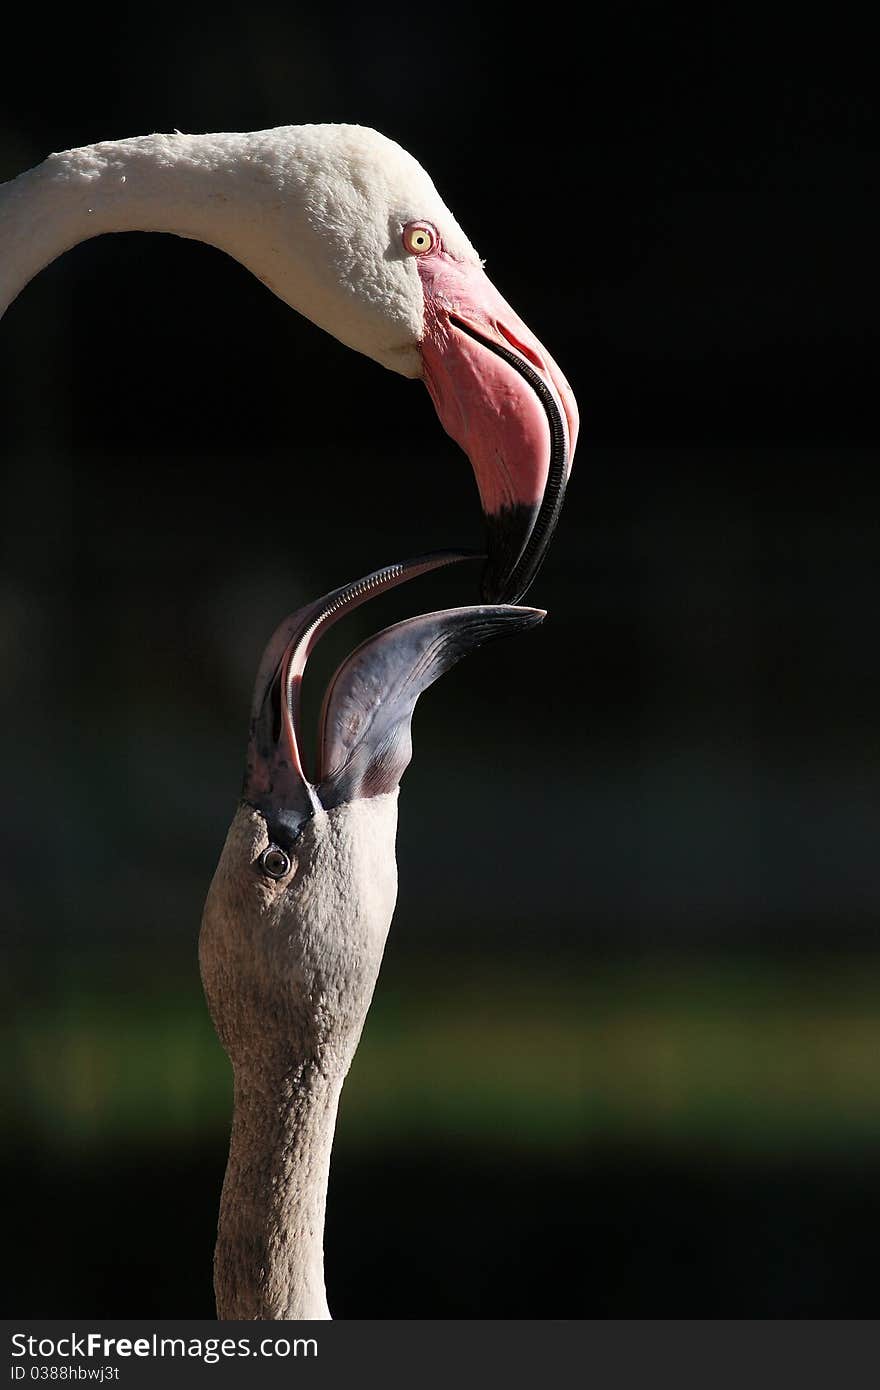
(503, 399)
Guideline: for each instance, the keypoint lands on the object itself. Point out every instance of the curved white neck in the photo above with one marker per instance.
(258, 196)
(158, 183)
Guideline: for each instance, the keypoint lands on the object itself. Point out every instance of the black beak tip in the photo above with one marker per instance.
(495, 590)
(507, 573)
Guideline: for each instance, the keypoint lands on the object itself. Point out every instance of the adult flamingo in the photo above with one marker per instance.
(345, 226)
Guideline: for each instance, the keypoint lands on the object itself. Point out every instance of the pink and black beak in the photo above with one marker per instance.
(500, 395)
(364, 739)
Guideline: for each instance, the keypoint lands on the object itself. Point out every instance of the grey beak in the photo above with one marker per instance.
(364, 744)
(365, 737)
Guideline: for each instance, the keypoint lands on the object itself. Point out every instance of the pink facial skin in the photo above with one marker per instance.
(483, 402)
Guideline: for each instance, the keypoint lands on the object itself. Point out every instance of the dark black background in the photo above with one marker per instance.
(685, 210)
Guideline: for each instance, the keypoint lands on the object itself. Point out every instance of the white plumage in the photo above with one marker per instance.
(315, 211)
(347, 228)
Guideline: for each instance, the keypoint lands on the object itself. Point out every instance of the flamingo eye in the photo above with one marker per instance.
(420, 237)
(275, 862)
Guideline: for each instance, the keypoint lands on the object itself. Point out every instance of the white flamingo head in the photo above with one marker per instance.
(363, 244)
(345, 226)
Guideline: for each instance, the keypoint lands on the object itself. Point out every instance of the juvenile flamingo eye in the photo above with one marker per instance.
(420, 237)
(275, 862)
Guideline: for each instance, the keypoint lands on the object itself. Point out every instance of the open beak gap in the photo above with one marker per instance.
(276, 773)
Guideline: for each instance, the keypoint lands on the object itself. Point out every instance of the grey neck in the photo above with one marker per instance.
(289, 974)
(269, 1260)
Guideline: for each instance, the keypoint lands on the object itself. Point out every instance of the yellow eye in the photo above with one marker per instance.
(420, 237)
